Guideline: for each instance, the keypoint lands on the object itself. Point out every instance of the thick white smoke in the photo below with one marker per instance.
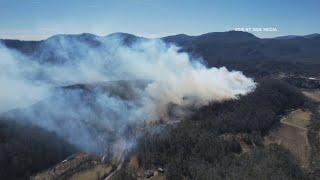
(17, 90)
(124, 84)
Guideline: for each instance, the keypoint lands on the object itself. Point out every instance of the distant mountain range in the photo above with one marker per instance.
(296, 36)
(242, 46)
(234, 49)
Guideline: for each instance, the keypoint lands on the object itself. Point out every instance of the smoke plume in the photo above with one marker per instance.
(91, 92)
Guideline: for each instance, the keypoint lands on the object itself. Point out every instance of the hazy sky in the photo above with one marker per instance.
(38, 19)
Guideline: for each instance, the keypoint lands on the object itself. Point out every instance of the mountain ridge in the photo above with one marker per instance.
(234, 49)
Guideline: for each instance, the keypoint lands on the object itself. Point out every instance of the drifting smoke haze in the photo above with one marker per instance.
(17, 90)
(89, 93)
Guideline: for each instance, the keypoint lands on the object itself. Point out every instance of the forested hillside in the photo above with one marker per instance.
(207, 144)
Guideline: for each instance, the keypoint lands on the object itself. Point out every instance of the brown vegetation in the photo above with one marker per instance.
(293, 134)
(312, 94)
(77, 167)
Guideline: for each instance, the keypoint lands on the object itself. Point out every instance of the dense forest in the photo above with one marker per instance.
(199, 147)
(204, 145)
(27, 149)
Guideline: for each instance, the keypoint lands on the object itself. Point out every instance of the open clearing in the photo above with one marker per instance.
(314, 94)
(97, 172)
(298, 118)
(77, 167)
(293, 134)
